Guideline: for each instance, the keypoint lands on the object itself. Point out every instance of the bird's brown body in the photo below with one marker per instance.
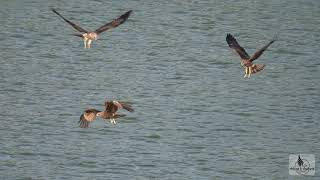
(111, 107)
(108, 115)
(246, 60)
(246, 63)
(88, 38)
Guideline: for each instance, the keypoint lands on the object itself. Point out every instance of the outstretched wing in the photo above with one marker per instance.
(78, 28)
(83, 122)
(257, 54)
(111, 107)
(88, 116)
(126, 106)
(114, 23)
(232, 42)
(119, 115)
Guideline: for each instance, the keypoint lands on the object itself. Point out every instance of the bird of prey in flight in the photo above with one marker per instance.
(89, 36)
(111, 107)
(246, 60)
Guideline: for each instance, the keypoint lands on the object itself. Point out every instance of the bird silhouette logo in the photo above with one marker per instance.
(302, 166)
(300, 161)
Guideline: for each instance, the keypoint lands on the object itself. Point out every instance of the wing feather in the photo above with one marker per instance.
(258, 53)
(110, 107)
(83, 122)
(78, 28)
(88, 116)
(126, 106)
(114, 23)
(232, 42)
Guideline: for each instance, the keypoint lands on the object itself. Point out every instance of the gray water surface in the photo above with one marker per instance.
(195, 117)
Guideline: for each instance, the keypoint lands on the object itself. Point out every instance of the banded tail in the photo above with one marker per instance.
(257, 67)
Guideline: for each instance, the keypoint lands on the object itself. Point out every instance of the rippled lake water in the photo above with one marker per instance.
(195, 117)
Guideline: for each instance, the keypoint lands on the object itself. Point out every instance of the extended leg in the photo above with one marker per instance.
(250, 71)
(112, 121)
(89, 43)
(85, 42)
(246, 72)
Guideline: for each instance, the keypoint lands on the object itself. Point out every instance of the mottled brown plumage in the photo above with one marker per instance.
(88, 116)
(111, 107)
(246, 60)
(89, 36)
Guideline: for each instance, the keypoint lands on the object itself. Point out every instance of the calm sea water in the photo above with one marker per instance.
(196, 116)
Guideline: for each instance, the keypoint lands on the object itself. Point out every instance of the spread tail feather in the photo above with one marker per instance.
(257, 67)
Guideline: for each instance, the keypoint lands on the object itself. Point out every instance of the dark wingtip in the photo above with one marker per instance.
(229, 36)
(127, 14)
(272, 41)
(81, 117)
(130, 110)
(53, 10)
(127, 107)
(120, 115)
(275, 38)
(229, 39)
